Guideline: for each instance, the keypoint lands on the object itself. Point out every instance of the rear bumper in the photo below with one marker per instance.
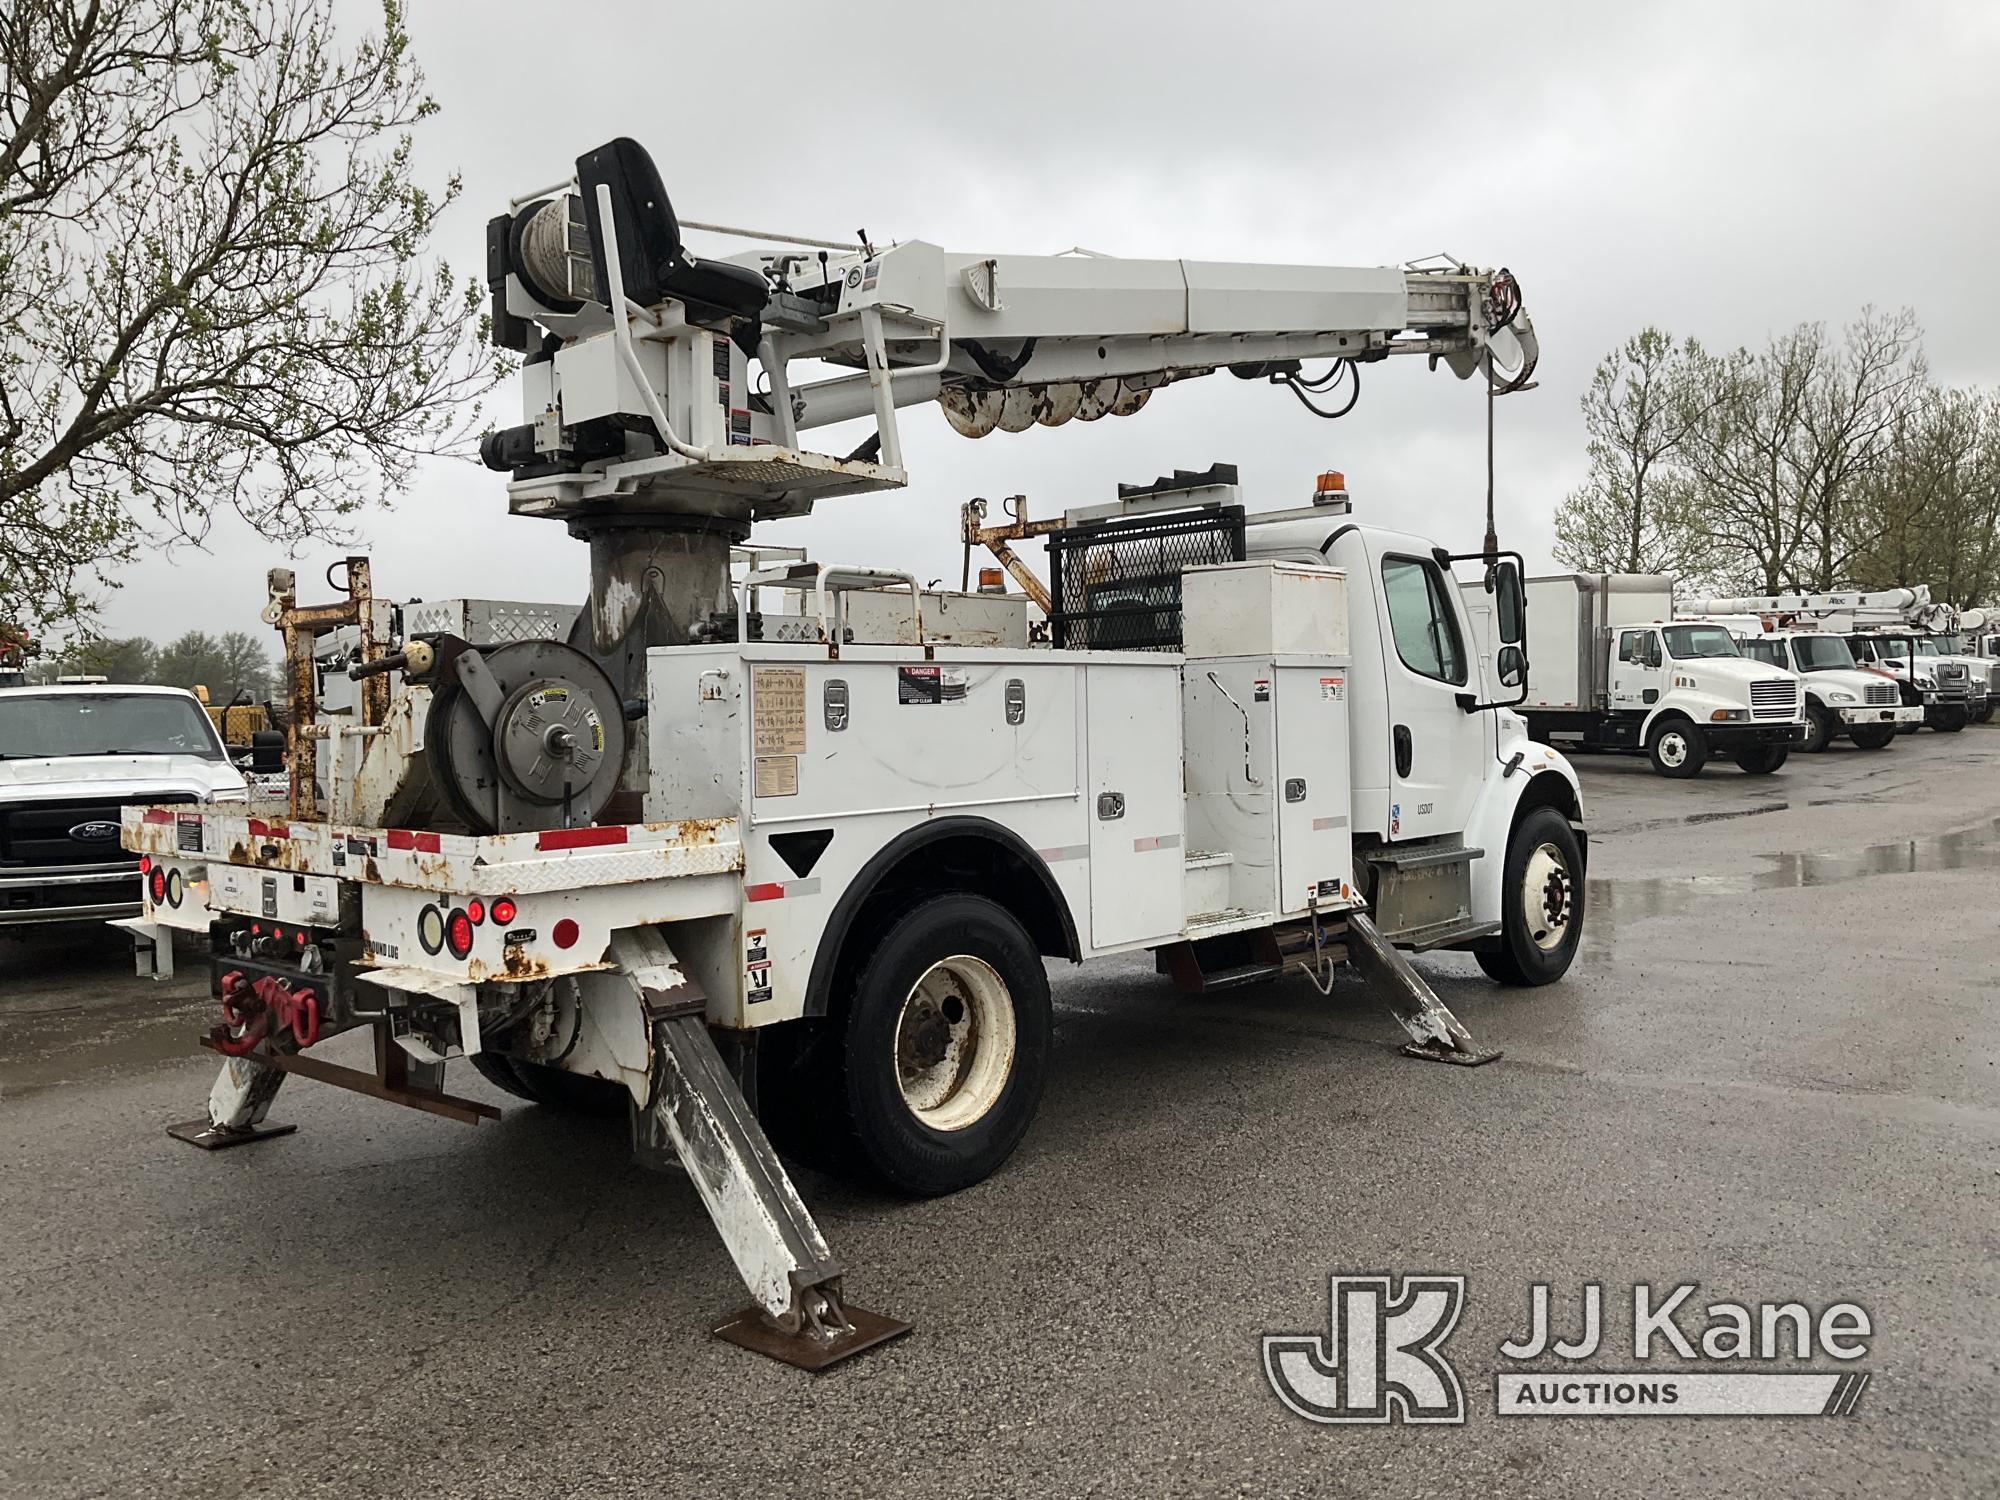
(69, 893)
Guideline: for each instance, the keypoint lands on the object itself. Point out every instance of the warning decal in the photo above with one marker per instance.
(1332, 689)
(778, 711)
(775, 776)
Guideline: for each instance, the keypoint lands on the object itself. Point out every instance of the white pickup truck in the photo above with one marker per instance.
(71, 757)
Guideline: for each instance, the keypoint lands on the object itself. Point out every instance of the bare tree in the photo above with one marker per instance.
(1745, 455)
(1631, 515)
(213, 291)
(1930, 510)
(1853, 407)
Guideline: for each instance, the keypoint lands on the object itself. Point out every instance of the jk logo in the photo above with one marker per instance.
(1379, 1361)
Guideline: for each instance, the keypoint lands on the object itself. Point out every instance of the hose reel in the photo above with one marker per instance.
(526, 736)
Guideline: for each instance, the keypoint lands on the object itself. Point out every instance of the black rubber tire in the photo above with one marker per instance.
(1762, 760)
(1517, 959)
(498, 1070)
(552, 1088)
(1691, 735)
(1821, 728)
(1877, 737)
(1985, 715)
(1950, 720)
(889, 1140)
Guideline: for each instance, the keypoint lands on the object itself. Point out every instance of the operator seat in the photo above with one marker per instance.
(654, 261)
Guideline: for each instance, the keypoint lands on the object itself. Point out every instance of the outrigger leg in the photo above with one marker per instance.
(700, 1118)
(236, 1107)
(1435, 1033)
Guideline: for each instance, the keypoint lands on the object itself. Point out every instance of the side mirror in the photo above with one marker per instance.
(1510, 602)
(1512, 666)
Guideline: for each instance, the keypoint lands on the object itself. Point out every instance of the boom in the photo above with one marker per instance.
(642, 377)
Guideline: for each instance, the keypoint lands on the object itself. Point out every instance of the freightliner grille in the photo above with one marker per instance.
(1883, 695)
(1774, 700)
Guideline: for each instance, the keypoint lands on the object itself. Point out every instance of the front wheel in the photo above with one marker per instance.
(1677, 748)
(1762, 760)
(1821, 727)
(1985, 714)
(1950, 718)
(946, 1045)
(1879, 737)
(1541, 902)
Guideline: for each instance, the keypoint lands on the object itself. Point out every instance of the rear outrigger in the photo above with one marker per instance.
(800, 870)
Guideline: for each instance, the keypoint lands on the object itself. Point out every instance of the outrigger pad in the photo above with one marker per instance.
(211, 1137)
(752, 1330)
(1470, 1058)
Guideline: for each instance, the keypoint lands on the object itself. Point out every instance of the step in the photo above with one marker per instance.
(1206, 884)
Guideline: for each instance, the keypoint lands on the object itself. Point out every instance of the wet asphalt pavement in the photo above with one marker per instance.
(1775, 1071)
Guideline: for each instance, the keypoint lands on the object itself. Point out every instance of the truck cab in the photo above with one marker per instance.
(1842, 698)
(1940, 685)
(72, 757)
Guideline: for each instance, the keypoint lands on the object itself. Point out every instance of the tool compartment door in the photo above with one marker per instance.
(1133, 751)
(1315, 841)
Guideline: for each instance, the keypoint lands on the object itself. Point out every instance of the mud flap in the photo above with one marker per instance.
(1435, 1033)
(699, 1118)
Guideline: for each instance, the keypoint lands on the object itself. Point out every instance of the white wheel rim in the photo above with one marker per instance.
(1548, 897)
(1673, 749)
(954, 1043)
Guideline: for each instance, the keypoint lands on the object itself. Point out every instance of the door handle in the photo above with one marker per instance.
(1404, 750)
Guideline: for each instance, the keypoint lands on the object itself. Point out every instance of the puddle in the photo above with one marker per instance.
(1613, 901)
(40, 1049)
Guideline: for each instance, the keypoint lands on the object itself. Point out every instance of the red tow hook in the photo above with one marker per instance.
(253, 1009)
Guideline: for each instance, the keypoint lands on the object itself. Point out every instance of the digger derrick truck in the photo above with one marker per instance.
(1899, 633)
(808, 884)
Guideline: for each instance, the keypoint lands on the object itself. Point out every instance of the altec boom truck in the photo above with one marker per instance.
(1899, 632)
(806, 879)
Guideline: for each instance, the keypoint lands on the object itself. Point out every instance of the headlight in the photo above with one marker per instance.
(1728, 715)
(1838, 697)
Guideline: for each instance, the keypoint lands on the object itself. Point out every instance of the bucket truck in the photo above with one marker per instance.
(1899, 632)
(1611, 668)
(804, 881)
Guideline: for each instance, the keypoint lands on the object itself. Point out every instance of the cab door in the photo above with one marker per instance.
(1437, 749)
(1635, 670)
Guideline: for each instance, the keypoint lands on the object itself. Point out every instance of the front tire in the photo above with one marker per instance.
(1541, 902)
(1762, 760)
(1950, 719)
(946, 1045)
(1821, 727)
(1878, 738)
(1677, 748)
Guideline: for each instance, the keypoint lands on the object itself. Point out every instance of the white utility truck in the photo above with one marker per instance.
(72, 756)
(1843, 698)
(750, 874)
(1610, 668)
(1900, 632)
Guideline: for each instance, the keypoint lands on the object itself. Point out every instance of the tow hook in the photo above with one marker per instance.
(255, 1009)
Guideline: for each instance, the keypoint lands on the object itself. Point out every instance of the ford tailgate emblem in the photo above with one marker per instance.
(95, 832)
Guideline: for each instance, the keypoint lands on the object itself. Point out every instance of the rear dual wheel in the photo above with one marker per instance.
(931, 1073)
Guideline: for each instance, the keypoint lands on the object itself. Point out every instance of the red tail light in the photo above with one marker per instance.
(145, 864)
(504, 910)
(458, 933)
(476, 909)
(157, 884)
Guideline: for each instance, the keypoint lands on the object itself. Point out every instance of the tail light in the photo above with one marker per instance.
(476, 909)
(156, 883)
(504, 910)
(458, 933)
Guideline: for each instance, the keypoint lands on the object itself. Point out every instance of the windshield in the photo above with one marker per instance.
(57, 724)
(1770, 652)
(1685, 642)
(1927, 648)
(1822, 653)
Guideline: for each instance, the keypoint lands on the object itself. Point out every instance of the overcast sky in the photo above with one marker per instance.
(1721, 170)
